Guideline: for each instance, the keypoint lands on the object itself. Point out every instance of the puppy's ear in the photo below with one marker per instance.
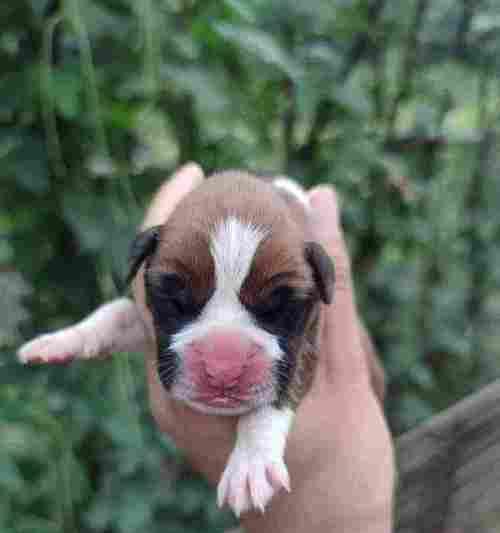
(142, 246)
(323, 270)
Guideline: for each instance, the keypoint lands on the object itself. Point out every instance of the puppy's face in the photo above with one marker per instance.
(230, 290)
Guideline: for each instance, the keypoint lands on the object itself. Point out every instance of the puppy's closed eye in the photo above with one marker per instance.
(277, 301)
(282, 311)
(169, 285)
(171, 298)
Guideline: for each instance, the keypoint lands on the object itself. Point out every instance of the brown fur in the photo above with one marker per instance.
(184, 248)
(307, 360)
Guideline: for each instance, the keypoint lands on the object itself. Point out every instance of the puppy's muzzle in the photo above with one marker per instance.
(226, 367)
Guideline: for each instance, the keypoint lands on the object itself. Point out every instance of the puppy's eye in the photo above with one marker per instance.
(173, 292)
(279, 299)
(170, 284)
(283, 309)
(170, 295)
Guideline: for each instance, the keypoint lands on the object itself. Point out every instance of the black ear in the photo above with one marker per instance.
(142, 246)
(323, 270)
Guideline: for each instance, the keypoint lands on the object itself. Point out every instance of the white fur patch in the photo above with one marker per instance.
(113, 327)
(294, 189)
(233, 247)
(256, 469)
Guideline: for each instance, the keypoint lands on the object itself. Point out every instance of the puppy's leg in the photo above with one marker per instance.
(113, 327)
(256, 469)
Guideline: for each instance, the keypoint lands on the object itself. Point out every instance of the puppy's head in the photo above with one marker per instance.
(231, 281)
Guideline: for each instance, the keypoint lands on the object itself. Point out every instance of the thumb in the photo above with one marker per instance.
(341, 351)
(326, 227)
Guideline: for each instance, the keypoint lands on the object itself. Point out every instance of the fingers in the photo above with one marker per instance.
(326, 226)
(183, 181)
(341, 351)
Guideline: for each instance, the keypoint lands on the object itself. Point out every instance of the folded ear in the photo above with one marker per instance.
(323, 270)
(142, 246)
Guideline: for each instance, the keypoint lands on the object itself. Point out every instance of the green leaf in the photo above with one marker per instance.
(34, 524)
(208, 88)
(66, 92)
(39, 6)
(90, 218)
(10, 477)
(27, 163)
(261, 45)
(414, 409)
(134, 512)
(242, 9)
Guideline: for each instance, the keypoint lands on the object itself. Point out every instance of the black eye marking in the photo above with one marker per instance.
(284, 368)
(171, 282)
(275, 304)
(283, 311)
(171, 301)
(167, 364)
(173, 306)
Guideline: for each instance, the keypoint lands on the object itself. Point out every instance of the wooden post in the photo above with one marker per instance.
(449, 469)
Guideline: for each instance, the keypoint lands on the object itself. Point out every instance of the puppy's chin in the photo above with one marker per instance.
(224, 411)
(223, 406)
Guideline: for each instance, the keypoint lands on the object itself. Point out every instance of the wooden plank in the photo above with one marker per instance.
(449, 469)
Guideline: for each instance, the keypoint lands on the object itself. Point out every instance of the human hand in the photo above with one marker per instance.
(339, 451)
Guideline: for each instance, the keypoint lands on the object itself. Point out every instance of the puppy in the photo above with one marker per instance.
(227, 301)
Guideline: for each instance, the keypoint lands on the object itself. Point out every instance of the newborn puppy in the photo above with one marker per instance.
(228, 294)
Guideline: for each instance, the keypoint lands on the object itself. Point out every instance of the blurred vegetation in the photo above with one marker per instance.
(396, 103)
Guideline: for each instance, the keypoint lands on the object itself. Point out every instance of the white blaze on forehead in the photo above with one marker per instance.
(233, 247)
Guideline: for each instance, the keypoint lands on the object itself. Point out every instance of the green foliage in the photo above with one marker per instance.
(396, 103)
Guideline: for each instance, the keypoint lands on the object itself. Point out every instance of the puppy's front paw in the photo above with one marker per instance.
(251, 479)
(58, 347)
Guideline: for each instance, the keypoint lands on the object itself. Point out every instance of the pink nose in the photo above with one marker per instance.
(225, 356)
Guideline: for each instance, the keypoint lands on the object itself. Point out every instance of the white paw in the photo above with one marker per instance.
(251, 479)
(58, 347)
